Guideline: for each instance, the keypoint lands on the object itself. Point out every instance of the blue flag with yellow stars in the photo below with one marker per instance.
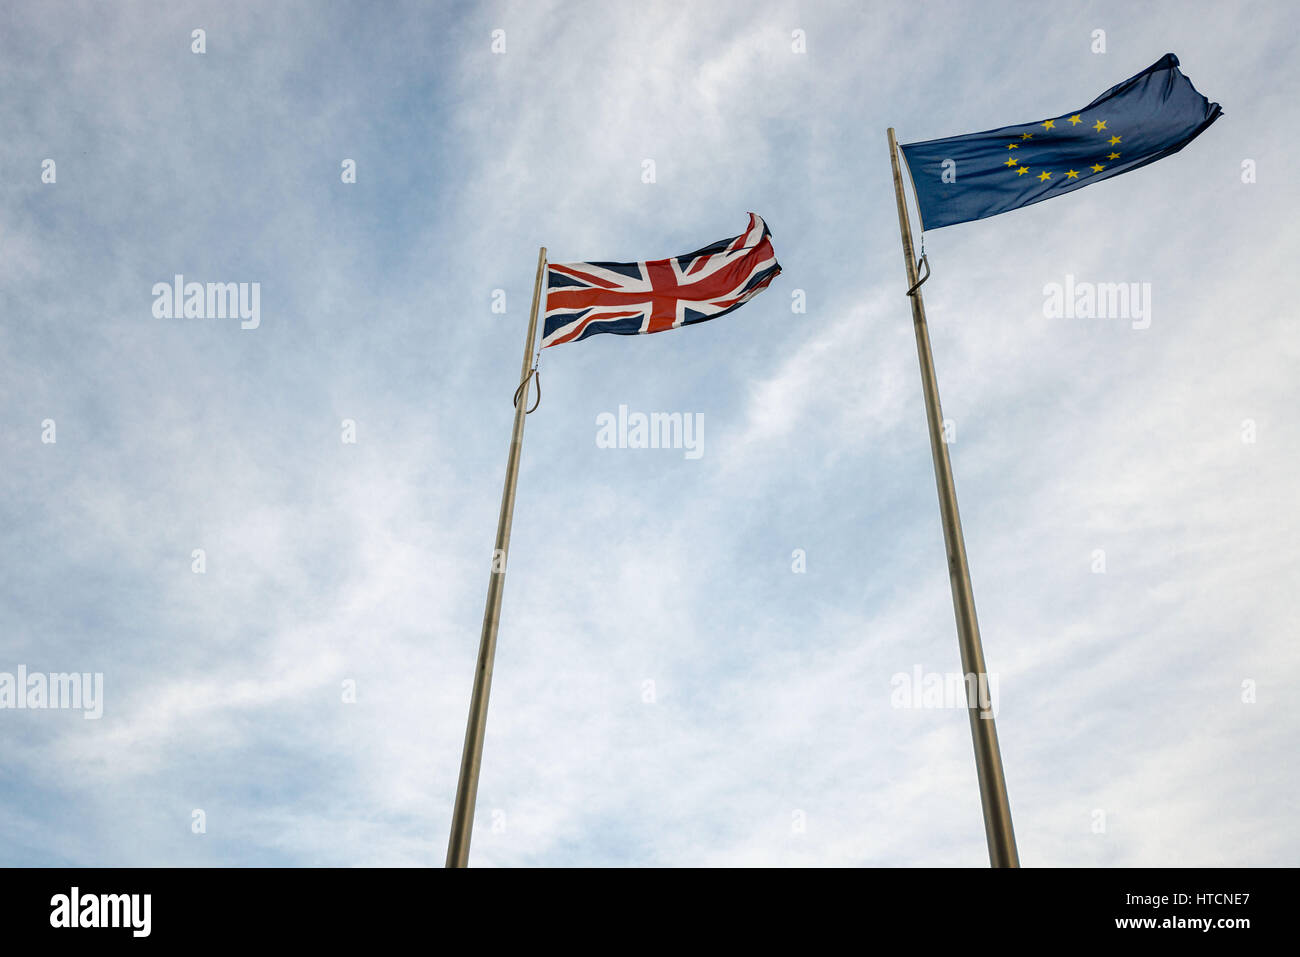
(1146, 117)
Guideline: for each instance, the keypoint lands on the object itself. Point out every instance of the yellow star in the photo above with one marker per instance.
(1114, 140)
(1044, 175)
(1013, 146)
(1071, 174)
(1075, 120)
(1026, 136)
(1022, 171)
(1113, 156)
(1011, 162)
(1099, 125)
(1097, 168)
(1049, 124)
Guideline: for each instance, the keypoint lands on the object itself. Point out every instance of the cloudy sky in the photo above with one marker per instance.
(669, 689)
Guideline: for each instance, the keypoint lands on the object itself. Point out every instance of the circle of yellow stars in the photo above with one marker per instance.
(1046, 175)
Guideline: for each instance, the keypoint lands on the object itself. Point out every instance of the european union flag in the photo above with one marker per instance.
(1146, 117)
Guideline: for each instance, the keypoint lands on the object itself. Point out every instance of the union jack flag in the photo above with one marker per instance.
(583, 299)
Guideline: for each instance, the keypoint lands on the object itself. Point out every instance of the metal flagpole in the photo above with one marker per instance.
(462, 816)
(988, 759)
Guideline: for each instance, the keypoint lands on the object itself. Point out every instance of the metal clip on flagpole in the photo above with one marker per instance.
(988, 758)
(471, 759)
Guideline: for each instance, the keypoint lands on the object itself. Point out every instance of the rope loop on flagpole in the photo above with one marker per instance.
(532, 373)
(923, 261)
